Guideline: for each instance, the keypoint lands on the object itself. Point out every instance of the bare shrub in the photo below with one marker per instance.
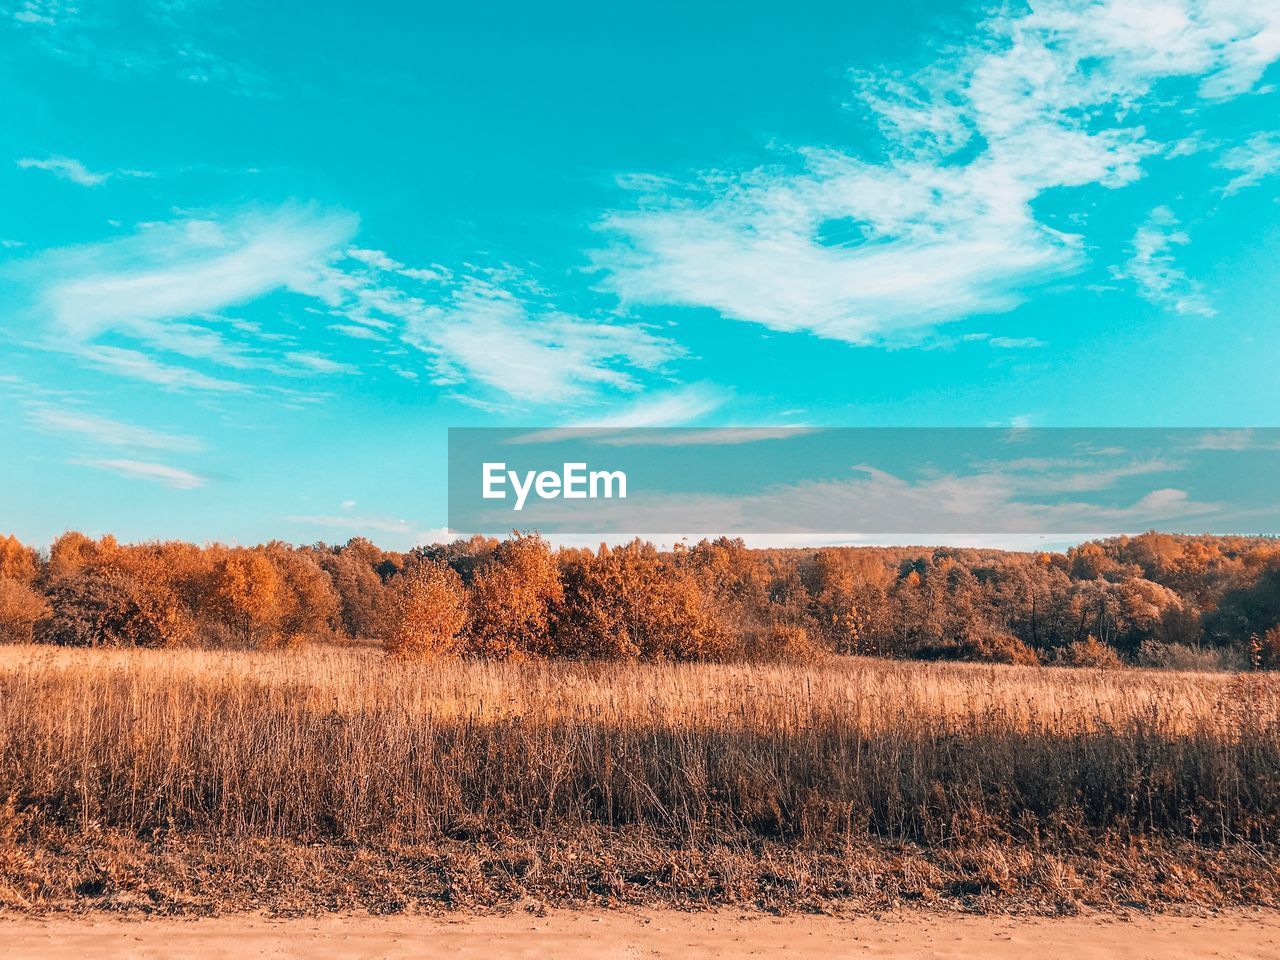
(1182, 656)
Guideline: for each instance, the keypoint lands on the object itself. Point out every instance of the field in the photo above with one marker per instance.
(334, 778)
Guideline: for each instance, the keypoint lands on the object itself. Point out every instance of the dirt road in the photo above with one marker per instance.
(645, 934)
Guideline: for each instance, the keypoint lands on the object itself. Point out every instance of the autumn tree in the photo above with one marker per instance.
(21, 608)
(361, 594)
(848, 591)
(17, 561)
(108, 606)
(73, 551)
(307, 601)
(513, 600)
(248, 591)
(632, 602)
(427, 611)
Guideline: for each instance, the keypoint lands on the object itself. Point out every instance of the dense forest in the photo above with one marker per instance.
(1153, 600)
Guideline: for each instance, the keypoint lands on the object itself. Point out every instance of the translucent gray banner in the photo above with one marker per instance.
(801, 480)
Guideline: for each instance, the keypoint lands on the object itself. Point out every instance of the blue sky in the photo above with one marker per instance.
(258, 257)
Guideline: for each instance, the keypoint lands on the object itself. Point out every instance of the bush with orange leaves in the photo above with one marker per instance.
(105, 594)
(21, 608)
(247, 590)
(632, 602)
(308, 605)
(514, 599)
(18, 561)
(427, 610)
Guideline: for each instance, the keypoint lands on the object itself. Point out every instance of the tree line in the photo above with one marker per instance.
(1198, 602)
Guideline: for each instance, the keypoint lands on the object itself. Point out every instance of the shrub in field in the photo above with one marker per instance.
(247, 589)
(427, 611)
(1181, 656)
(111, 608)
(513, 600)
(17, 561)
(631, 602)
(1269, 652)
(1089, 652)
(361, 594)
(308, 602)
(21, 608)
(781, 642)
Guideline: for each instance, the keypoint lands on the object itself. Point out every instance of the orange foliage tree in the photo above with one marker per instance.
(633, 602)
(514, 599)
(427, 611)
(247, 588)
(21, 608)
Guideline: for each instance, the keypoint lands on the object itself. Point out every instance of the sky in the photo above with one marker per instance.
(256, 259)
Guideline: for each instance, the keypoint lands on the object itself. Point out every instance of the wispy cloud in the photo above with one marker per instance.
(1015, 343)
(68, 169)
(316, 363)
(160, 473)
(104, 430)
(946, 225)
(160, 290)
(513, 343)
(164, 290)
(360, 523)
(493, 327)
(117, 38)
(1155, 271)
(663, 408)
(1254, 160)
(183, 269)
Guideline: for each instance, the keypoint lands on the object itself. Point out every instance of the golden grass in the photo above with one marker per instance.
(865, 693)
(819, 767)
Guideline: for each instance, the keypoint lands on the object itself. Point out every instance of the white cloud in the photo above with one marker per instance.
(669, 408)
(107, 431)
(160, 473)
(374, 258)
(356, 331)
(316, 363)
(183, 269)
(1155, 271)
(508, 338)
(136, 365)
(946, 226)
(1255, 160)
(359, 523)
(1015, 343)
(165, 288)
(126, 38)
(68, 169)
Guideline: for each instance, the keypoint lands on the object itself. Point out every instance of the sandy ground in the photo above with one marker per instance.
(646, 934)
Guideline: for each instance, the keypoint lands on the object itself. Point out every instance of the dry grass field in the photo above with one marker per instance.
(333, 778)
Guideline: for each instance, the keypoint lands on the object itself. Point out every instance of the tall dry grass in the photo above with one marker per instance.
(339, 744)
